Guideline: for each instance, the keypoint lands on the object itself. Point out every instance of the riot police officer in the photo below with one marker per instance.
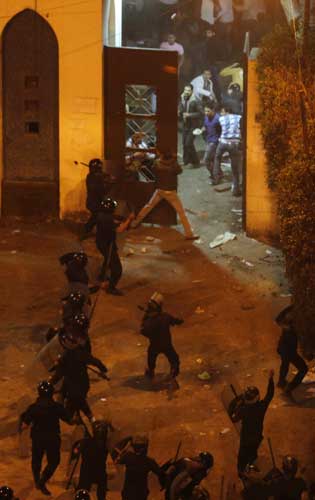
(106, 228)
(72, 367)
(288, 486)
(156, 327)
(93, 450)
(82, 495)
(251, 412)
(138, 466)
(95, 190)
(44, 416)
(73, 305)
(185, 475)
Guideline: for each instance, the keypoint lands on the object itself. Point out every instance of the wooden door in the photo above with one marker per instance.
(30, 117)
(150, 78)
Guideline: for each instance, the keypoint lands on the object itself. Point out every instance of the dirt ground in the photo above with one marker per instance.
(228, 297)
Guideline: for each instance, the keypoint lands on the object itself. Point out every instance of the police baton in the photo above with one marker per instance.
(100, 374)
(80, 163)
(272, 454)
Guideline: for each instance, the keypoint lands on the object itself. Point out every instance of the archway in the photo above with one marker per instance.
(30, 117)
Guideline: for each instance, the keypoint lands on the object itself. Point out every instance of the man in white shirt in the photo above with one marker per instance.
(173, 46)
(203, 88)
(224, 21)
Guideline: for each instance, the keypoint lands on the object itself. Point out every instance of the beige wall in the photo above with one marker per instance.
(79, 30)
(261, 203)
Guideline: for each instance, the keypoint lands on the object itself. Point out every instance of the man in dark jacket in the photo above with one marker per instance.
(166, 170)
(287, 350)
(156, 327)
(44, 416)
(72, 367)
(138, 466)
(251, 412)
(93, 450)
(190, 113)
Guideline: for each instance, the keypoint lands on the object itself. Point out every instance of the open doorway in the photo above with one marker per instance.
(211, 38)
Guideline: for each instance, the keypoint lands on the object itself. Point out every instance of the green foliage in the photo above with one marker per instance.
(283, 79)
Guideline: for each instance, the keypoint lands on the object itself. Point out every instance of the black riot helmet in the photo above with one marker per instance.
(108, 205)
(76, 299)
(45, 389)
(206, 459)
(80, 322)
(80, 259)
(140, 444)
(95, 165)
(82, 495)
(290, 465)
(251, 395)
(6, 493)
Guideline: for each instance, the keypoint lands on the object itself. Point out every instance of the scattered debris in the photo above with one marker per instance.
(16, 231)
(197, 281)
(199, 361)
(149, 238)
(143, 250)
(222, 238)
(285, 295)
(247, 263)
(199, 242)
(222, 188)
(238, 211)
(199, 310)
(129, 252)
(226, 366)
(202, 434)
(139, 344)
(268, 252)
(248, 375)
(103, 399)
(13, 252)
(225, 431)
(204, 376)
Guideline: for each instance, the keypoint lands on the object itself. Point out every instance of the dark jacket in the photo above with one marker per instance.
(94, 455)
(95, 188)
(44, 416)
(288, 342)
(75, 273)
(73, 367)
(252, 417)
(193, 107)
(136, 476)
(156, 327)
(105, 229)
(166, 172)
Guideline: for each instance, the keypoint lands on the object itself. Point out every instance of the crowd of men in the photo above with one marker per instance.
(68, 379)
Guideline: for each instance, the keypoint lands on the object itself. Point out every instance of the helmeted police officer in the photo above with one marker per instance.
(138, 466)
(72, 367)
(73, 305)
(156, 327)
(93, 450)
(75, 270)
(185, 475)
(44, 416)
(251, 412)
(106, 228)
(82, 495)
(95, 190)
(288, 486)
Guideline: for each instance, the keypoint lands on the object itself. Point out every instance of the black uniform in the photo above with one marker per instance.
(96, 190)
(156, 327)
(192, 470)
(252, 418)
(287, 349)
(288, 488)
(72, 366)
(93, 466)
(138, 467)
(106, 244)
(44, 416)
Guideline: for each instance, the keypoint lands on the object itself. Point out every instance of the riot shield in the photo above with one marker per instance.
(45, 360)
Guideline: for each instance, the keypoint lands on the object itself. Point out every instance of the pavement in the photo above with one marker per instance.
(227, 296)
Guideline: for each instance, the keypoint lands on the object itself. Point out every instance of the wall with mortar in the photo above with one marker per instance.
(261, 203)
